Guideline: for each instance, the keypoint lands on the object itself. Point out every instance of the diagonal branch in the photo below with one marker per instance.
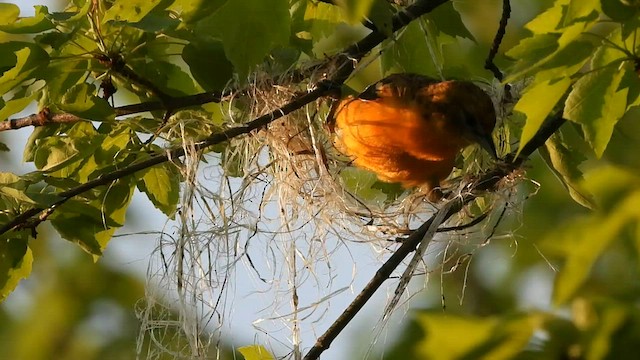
(487, 182)
(344, 63)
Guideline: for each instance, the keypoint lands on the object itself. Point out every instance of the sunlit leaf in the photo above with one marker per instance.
(549, 20)
(26, 61)
(161, 184)
(27, 25)
(54, 153)
(596, 104)
(356, 10)
(555, 31)
(537, 102)
(484, 338)
(581, 10)
(564, 163)
(323, 19)
(8, 13)
(191, 11)
(129, 10)
(255, 352)
(14, 106)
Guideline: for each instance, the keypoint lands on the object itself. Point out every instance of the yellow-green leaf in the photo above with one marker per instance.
(130, 10)
(596, 104)
(14, 106)
(564, 165)
(27, 25)
(162, 185)
(28, 59)
(255, 352)
(583, 241)
(81, 100)
(15, 262)
(537, 102)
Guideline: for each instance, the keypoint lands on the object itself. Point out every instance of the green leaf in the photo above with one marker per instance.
(409, 53)
(596, 104)
(447, 20)
(536, 103)
(543, 50)
(202, 56)
(91, 225)
(55, 152)
(29, 25)
(257, 25)
(361, 184)
(630, 81)
(82, 12)
(484, 338)
(381, 15)
(116, 200)
(556, 41)
(619, 10)
(28, 60)
(81, 100)
(191, 11)
(15, 262)
(549, 20)
(584, 240)
(564, 164)
(170, 78)
(322, 19)
(61, 76)
(14, 106)
(40, 132)
(581, 11)
(161, 183)
(613, 319)
(356, 10)
(255, 352)
(9, 13)
(85, 231)
(129, 10)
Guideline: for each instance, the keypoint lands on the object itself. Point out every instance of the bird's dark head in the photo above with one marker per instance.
(469, 109)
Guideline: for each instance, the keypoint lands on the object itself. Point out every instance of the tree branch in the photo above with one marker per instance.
(486, 183)
(497, 40)
(344, 63)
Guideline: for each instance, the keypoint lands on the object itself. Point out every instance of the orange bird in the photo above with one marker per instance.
(409, 128)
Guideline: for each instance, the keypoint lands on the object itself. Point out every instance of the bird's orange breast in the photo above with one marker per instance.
(409, 136)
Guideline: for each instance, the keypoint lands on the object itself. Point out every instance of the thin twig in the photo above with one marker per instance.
(487, 182)
(497, 40)
(41, 118)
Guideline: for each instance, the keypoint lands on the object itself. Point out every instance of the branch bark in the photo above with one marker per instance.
(343, 62)
(486, 183)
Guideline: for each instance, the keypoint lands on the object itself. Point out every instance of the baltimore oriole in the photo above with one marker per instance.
(409, 128)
